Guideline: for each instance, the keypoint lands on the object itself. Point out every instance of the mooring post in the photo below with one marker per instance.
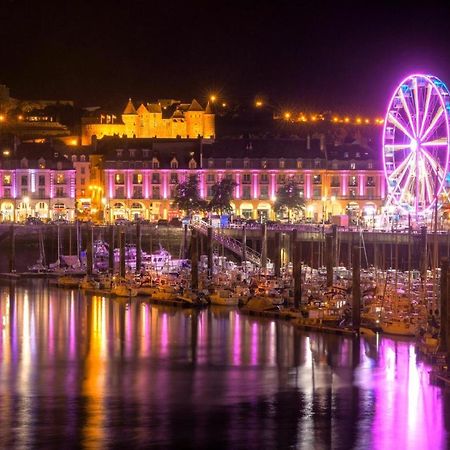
(356, 288)
(111, 249)
(277, 255)
(423, 252)
(443, 343)
(194, 259)
(297, 270)
(122, 270)
(329, 258)
(264, 246)
(138, 247)
(89, 251)
(12, 249)
(209, 249)
(244, 246)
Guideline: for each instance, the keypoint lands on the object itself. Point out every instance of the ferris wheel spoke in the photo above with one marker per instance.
(433, 123)
(416, 103)
(398, 170)
(408, 112)
(434, 164)
(395, 147)
(400, 126)
(430, 183)
(405, 185)
(425, 111)
(441, 142)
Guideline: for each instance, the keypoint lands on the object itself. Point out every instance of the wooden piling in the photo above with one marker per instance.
(111, 249)
(356, 288)
(89, 251)
(122, 270)
(138, 247)
(297, 270)
(209, 250)
(329, 258)
(244, 246)
(264, 246)
(277, 255)
(424, 253)
(12, 249)
(194, 259)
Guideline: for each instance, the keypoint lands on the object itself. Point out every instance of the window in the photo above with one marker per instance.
(155, 163)
(301, 178)
(24, 163)
(352, 193)
(155, 178)
(281, 178)
(119, 178)
(299, 164)
(7, 193)
(41, 162)
(173, 191)
(211, 178)
(352, 166)
(7, 180)
(370, 193)
(60, 192)
(370, 181)
(145, 152)
(192, 164)
(82, 170)
(120, 192)
(301, 192)
(209, 191)
(335, 181)
(317, 163)
(24, 180)
(173, 178)
(137, 178)
(246, 178)
(317, 192)
(317, 179)
(229, 176)
(24, 192)
(137, 192)
(174, 164)
(334, 165)
(246, 192)
(60, 178)
(228, 163)
(132, 152)
(370, 165)
(59, 165)
(264, 164)
(155, 192)
(82, 158)
(264, 178)
(210, 163)
(282, 164)
(345, 154)
(82, 181)
(353, 181)
(246, 163)
(264, 192)
(41, 180)
(41, 192)
(119, 152)
(357, 155)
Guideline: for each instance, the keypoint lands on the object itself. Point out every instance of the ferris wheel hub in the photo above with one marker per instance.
(414, 144)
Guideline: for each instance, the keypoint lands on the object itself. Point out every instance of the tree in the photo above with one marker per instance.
(288, 199)
(187, 197)
(222, 194)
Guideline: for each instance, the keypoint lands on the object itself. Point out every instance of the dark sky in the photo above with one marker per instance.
(310, 54)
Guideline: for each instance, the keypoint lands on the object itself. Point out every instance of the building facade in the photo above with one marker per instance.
(164, 119)
(141, 176)
(36, 181)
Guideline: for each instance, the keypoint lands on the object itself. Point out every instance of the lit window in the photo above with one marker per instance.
(7, 180)
(119, 178)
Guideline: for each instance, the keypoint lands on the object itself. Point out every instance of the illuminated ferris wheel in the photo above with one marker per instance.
(416, 144)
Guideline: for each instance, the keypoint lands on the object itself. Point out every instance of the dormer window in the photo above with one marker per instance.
(345, 154)
(132, 152)
(246, 163)
(155, 163)
(41, 162)
(145, 152)
(281, 163)
(317, 163)
(119, 152)
(264, 164)
(299, 164)
(192, 164)
(59, 165)
(83, 158)
(174, 164)
(357, 155)
(370, 165)
(228, 163)
(74, 158)
(210, 163)
(24, 163)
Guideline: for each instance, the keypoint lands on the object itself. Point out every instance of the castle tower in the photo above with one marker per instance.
(155, 119)
(194, 120)
(129, 117)
(209, 127)
(178, 125)
(142, 122)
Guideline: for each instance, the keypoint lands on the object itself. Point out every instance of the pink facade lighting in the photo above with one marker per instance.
(416, 143)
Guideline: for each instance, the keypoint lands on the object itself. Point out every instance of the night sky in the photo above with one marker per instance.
(316, 56)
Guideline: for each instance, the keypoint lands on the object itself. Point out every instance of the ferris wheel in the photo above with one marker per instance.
(416, 143)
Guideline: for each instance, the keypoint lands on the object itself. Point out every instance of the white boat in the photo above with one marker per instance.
(123, 290)
(88, 283)
(399, 327)
(224, 297)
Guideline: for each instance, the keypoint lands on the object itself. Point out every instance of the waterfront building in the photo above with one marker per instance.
(163, 119)
(36, 180)
(140, 176)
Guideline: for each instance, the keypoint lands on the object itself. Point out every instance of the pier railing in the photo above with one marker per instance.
(230, 243)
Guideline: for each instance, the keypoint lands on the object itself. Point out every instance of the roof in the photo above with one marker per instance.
(208, 109)
(154, 107)
(142, 109)
(195, 106)
(129, 109)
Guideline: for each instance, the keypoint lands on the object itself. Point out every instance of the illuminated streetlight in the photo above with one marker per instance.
(224, 105)
(287, 115)
(212, 98)
(358, 120)
(2, 118)
(347, 120)
(258, 103)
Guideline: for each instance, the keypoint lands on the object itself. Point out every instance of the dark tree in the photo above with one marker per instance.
(222, 195)
(288, 199)
(187, 197)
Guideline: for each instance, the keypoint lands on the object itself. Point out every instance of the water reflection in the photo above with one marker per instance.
(99, 373)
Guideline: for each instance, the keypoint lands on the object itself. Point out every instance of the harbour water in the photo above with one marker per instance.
(82, 371)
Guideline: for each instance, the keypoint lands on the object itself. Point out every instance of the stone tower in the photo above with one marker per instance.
(129, 118)
(194, 120)
(209, 128)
